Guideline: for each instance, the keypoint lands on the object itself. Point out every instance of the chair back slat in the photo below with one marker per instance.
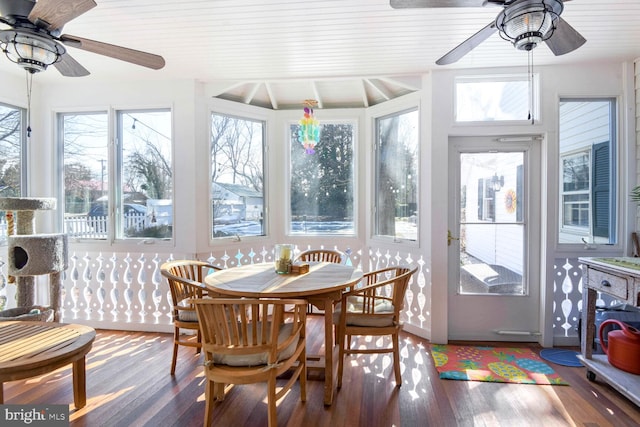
(185, 278)
(388, 284)
(232, 326)
(320, 255)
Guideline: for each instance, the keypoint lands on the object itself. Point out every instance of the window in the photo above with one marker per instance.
(486, 200)
(396, 166)
(237, 176)
(496, 98)
(144, 174)
(575, 190)
(321, 183)
(12, 142)
(137, 203)
(86, 178)
(587, 187)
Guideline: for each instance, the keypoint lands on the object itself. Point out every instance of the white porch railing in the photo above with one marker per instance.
(126, 290)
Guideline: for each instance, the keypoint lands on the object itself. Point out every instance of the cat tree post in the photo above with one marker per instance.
(31, 255)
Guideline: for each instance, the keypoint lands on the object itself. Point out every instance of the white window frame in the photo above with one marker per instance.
(113, 170)
(395, 108)
(330, 121)
(248, 112)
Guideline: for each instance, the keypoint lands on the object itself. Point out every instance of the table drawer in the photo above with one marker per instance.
(606, 282)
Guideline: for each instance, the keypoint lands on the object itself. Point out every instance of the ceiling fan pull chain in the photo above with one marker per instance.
(29, 77)
(531, 91)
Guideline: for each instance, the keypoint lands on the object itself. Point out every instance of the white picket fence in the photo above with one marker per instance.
(82, 226)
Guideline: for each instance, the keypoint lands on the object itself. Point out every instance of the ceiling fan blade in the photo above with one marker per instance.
(564, 39)
(10, 9)
(133, 56)
(411, 4)
(468, 45)
(53, 14)
(69, 67)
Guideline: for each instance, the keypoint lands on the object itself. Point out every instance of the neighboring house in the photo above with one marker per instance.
(235, 199)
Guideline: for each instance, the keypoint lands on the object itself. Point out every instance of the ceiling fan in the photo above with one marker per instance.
(34, 40)
(525, 23)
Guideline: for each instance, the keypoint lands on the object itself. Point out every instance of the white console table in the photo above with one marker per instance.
(620, 278)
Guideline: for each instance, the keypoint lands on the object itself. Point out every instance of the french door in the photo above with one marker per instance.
(494, 239)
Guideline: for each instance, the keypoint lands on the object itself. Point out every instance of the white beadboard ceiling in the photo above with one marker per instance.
(344, 53)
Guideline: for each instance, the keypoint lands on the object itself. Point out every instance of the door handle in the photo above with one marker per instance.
(450, 238)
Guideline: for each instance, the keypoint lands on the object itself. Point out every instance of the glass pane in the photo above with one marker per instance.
(587, 191)
(10, 157)
(492, 232)
(10, 150)
(494, 98)
(322, 182)
(396, 191)
(575, 172)
(576, 210)
(237, 176)
(86, 178)
(146, 203)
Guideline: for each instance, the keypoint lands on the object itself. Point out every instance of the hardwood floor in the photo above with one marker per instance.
(128, 384)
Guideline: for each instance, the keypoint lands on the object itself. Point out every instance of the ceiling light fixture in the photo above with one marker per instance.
(529, 22)
(31, 51)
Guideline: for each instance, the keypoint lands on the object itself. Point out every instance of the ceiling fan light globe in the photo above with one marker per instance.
(529, 22)
(31, 52)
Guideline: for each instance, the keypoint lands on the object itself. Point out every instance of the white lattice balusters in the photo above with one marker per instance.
(87, 292)
(142, 290)
(156, 295)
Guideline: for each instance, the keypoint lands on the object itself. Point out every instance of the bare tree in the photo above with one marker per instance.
(10, 149)
(236, 152)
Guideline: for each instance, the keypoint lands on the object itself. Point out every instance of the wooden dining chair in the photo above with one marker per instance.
(185, 278)
(373, 309)
(320, 255)
(250, 340)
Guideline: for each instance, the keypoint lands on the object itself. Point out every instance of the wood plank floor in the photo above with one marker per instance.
(128, 384)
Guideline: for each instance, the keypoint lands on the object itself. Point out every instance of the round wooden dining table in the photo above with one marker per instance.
(322, 286)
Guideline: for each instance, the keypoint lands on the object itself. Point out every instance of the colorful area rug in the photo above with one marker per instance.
(493, 364)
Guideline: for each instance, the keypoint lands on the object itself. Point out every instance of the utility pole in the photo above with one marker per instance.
(102, 168)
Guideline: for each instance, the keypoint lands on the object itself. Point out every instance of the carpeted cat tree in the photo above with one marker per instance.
(31, 255)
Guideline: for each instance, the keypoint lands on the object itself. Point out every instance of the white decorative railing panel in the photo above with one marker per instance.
(126, 290)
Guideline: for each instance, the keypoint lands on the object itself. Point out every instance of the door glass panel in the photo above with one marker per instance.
(492, 228)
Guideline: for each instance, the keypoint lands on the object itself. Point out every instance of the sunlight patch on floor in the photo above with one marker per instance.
(95, 402)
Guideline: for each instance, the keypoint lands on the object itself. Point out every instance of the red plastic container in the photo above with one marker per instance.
(623, 349)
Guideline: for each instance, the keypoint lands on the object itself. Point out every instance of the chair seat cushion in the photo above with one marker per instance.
(381, 316)
(187, 316)
(261, 358)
